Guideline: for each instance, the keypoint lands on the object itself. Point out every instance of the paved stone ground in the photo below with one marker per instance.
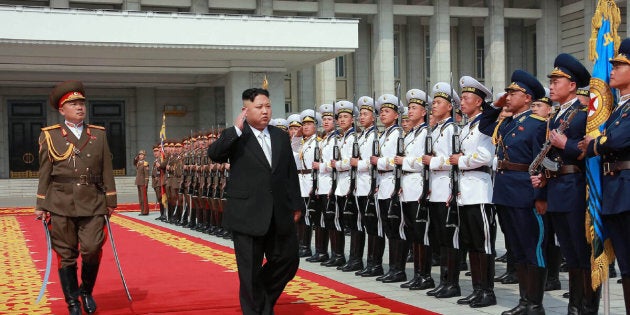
(507, 295)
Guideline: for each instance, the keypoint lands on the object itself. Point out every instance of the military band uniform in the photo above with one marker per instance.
(305, 174)
(142, 182)
(519, 140)
(389, 227)
(304, 228)
(76, 187)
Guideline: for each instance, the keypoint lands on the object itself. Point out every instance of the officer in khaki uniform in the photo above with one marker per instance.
(76, 190)
(157, 181)
(142, 181)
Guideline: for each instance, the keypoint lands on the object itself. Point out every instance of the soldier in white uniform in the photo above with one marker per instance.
(388, 106)
(444, 98)
(476, 212)
(347, 211)
(304, 230)
(325, 190)
(365, 190)
(412, 185)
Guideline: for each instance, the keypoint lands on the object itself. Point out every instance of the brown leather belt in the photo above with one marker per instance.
(485, 169)
(509, 166)
(563, 170)
(610, 168)
(384, 172)
(303, 172)
(81, 180)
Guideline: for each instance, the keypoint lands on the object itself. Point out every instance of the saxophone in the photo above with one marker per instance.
(542, 162)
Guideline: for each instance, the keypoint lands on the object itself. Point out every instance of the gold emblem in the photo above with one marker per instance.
(603, 139)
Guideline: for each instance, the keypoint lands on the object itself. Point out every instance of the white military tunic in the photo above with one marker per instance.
(440, 181)
(475, 187)
(364, 179)
(324, 179)
(305, 162)
(345, 144)
(388, 146)
(412, 181)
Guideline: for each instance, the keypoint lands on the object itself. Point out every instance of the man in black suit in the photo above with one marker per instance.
(263, 202)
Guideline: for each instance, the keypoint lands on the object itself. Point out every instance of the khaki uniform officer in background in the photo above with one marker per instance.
(142, 181)
(76, 190)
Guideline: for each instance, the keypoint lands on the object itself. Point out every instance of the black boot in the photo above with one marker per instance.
(162, 216)
(425, 281)
(397, 266)
(305, 233)
(590, 305)
(70, 288)
(612, 273)
(415, 251)
(192, 224)
(377, 267)
(452, 289)
(338, 258)
(370, 256)
(355, 260)
(521, 308)
(486, 267)
(88, 279)
(321, 246)
(536, 278)
(554, 259)
(576, 291)
(443, 273)
(625, 284)
(475, 274)
(510, 274)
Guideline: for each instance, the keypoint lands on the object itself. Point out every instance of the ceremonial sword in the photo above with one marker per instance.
(48, 260)
(111, 240)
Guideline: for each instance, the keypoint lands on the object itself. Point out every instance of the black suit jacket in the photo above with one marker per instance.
(256, 192)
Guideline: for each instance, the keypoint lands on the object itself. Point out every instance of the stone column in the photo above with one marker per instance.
(148, 116)
(199, 6)
(276, 93)
(325, 76)
(547, 39)
(494, 40)
(236, 83)
(466, 49)
(60, 4)
(264, 7)
(515, 49)
(306, 88)
(131, 5)
(383, 48)
(207, 108)
(362, 65)
(415, 60)
(440, 42)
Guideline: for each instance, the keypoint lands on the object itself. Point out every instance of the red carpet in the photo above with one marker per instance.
(167, 273)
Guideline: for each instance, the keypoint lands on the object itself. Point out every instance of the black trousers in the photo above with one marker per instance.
(261, 285)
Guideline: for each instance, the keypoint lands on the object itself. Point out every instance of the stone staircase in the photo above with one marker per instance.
(21, 188)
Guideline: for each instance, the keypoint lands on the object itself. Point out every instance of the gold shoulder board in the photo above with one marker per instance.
(51, 127)
(537, 117)
(96, 127)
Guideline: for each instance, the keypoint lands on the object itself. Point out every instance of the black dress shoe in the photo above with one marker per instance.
(89, 305)
(305, 252)
(352, 265)
(382, 276)
(398, 276)
(364, 270)
(449, 291)
(566, 295)
(501, 277)
(520, 309)
(424, 284)
(487, 298)
(476, 293)
(510, 279)
(75, 309)
(406, 285)
(374, 271)
(335, 261)
(502, 259)
(318, 257)
(437, 289)
(552, 284)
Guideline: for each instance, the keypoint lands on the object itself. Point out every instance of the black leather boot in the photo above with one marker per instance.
(554, 259)
(192, 223)
(355, 260)
(416, 267)
(521, 308)
(487, 297)
(452, 288)
(536, 278)
(590, 304)
(391, 248)
(70, 288)
(305, 237)
(338, 258)
(475, 274)
(625, 284)
(321, 246)
(443, 273)
(510, 274)
(369, 262)
(576, 291)
(426, 281)
(397, 266)
(377, 267)
(162, 216)
(88, 279)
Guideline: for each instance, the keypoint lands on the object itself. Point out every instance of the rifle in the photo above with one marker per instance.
(452, 214)
(422, 215)
(542, 162)
(394, 212)
(350, 206)
(370, 210)
(335, 175)
(317, 156)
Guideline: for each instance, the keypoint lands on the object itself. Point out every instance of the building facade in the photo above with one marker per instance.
(192, 58)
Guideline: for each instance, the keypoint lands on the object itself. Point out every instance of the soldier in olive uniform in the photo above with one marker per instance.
(76, 190)
(142, 181)
(157, 180)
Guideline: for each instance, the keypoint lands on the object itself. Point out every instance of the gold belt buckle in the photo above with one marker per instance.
(83, 180)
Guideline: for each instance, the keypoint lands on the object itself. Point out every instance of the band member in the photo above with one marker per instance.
(76, 191)
(444, 99)
(477, 220)
(613, 146)
(365, 191)
(157, 180)
(304, 229)
(388, 106)
(142, 181)
(347, 209)
(519, 139)
(324, 186)
(412, 185)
